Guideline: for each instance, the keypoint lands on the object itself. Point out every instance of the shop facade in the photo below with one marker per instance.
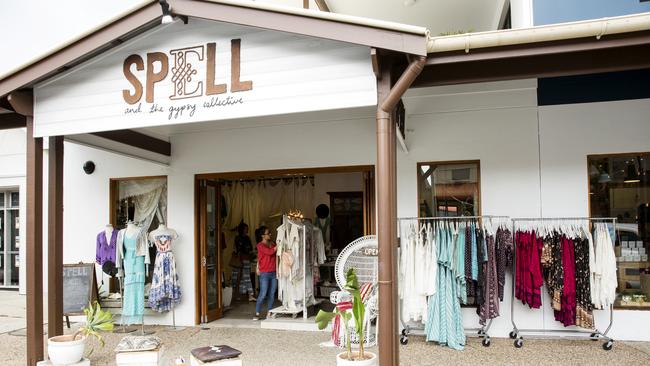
(532, 160)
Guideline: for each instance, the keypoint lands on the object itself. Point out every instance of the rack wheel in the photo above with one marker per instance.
(481, 332)
(519, 343)
(607, 346)
(404, 340)
(404, 332)
(593, 336)
(486, 342)
(512, 335)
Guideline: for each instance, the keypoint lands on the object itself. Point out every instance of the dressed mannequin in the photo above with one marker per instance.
(106, 246)
(165, 290)
(131, 261)
(162, 237)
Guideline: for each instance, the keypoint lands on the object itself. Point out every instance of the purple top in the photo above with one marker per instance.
(105, 251)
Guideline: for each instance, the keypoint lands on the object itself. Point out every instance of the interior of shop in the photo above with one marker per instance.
(327, 208)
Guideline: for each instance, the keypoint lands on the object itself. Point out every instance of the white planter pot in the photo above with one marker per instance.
(62, 350)
(341, 359)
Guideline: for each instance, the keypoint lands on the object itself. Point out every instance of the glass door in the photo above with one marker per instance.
(9, 239)
(211, 303)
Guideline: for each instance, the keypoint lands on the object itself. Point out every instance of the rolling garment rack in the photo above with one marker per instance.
(283, 310)
(594, 334)
(408, 329)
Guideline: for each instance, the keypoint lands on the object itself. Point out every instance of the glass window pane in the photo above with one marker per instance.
(2, 199)
(15, 200)
(13, 219)
(448, 189)
(2, 269)
(619, 186)
(2, 231)
(14, 269)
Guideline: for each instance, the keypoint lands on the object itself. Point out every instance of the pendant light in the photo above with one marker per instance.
(632, 175)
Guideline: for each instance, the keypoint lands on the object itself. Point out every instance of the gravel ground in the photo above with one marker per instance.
(271, 348)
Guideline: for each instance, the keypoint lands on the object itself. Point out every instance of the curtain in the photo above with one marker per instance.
(149, 197)
(137, 187)
(257, 202)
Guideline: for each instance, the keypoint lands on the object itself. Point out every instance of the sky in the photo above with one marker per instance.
(28, 28)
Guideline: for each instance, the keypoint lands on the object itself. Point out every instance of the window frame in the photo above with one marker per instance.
(114, 202)
(450, 162)
(590, 157)
(6, 251)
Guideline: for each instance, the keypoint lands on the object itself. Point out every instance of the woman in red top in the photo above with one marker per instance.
(266, 263)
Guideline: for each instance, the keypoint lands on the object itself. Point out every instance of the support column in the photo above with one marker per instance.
(55, 237)
(34, 247)
(386, 223)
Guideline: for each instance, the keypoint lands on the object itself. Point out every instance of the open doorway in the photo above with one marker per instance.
(230, 207)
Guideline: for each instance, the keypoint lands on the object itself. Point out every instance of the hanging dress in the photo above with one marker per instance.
(445, 324)
(165, 287)
(134, 275)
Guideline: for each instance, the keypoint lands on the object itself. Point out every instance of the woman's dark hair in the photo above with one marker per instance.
(259, 232)
(241, 227)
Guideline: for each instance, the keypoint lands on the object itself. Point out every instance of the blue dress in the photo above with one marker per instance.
(445, 324)
(134, 275)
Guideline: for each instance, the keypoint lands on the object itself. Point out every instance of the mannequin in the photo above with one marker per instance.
(162, 237)
(131, 229)
(106, 246)
(108, 231)
(165, 290)
(132, 255)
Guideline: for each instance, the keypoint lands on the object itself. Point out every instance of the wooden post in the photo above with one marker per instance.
(34, 247)
(55, 237)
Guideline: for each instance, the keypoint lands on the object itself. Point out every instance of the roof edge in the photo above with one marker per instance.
(554, 32)
(318, 14)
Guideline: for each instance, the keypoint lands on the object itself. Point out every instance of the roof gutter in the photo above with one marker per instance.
(557, 32)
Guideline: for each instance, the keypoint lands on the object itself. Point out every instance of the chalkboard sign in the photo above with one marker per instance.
(79, 287)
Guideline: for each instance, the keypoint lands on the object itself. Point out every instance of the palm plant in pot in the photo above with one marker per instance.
(69, 349)
(346, 312)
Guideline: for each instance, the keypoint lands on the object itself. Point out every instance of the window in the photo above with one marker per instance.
(449, 189)
(9, 238)
(619, 186)
(141, 200)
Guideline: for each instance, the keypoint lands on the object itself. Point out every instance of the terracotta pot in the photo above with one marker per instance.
(63, 350)
(371, 360)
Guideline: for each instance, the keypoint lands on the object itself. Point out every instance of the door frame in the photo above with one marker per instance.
(198, 178)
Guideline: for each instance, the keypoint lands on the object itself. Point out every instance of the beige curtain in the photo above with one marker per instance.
(257, 202)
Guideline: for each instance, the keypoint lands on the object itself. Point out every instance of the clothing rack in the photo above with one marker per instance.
(281, 309)
(481, 332)
(594, 334)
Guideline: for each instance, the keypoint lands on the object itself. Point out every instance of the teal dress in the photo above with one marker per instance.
(134, 275)
(445, 324)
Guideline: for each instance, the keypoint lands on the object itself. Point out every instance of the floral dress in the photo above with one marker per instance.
(165, 288)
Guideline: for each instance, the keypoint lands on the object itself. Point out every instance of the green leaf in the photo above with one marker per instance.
(323, 318)
(351, 282)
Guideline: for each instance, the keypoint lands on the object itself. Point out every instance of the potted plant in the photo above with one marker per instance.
(358, 310)
(69, 349)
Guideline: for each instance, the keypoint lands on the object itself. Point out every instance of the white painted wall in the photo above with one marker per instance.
(497, 123)
(568, 133)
